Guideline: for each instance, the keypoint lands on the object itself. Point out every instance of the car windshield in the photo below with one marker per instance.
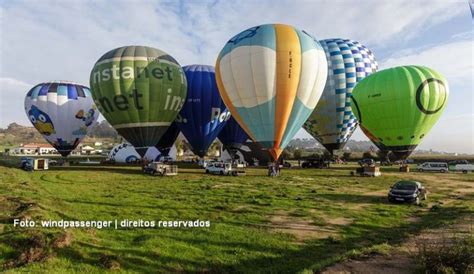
(405, 186)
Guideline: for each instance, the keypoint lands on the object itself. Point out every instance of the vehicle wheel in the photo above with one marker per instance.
(420, 170)
(221, 173)
(442, 171)
(153, 172)
(417, 201)
(464, 171)
(207, 171)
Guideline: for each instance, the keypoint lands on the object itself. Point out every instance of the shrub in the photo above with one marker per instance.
(454, 255)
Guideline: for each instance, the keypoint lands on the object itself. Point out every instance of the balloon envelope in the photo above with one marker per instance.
(204, 114)
(332, 121)
(232, 136)
(140, 91)
(126, 153)
(168, 139)
(62, 112)
(271, 77)
(397, 107)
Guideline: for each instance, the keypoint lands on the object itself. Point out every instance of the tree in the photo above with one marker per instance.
(327, 155)
(346, 156)
(297, 154)
(367, 154)
(382, 156)
(285, 155)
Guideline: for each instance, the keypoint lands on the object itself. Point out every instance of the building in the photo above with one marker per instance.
(35, 149)
(87, 150)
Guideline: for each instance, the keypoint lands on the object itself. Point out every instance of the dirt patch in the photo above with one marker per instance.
(12, 207)
(376, 264)
(338, 221)
(35, 247)
(109, 262)
(377, 193)
(63, 240)
(300, 228)
(402, 258)
(30, 250)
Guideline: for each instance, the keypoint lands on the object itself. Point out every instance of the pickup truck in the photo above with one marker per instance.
(222, 168)
(159, 168)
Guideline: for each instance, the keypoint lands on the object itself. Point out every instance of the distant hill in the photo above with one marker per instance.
(312, 144)
(16, 134)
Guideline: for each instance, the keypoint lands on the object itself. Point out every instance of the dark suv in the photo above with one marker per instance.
(407, 191)
(315, 163)
(367, 162)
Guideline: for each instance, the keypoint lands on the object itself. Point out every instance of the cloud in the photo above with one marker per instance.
(12, 96)
(453, 134)
(51, 40)
(454, 60)
(61, 40)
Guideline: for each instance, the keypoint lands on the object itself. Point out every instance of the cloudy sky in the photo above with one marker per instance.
(43, 40)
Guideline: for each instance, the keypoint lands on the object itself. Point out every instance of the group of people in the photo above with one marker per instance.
(274, 169)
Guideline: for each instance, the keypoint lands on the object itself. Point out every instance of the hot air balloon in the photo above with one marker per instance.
(232, 136)
(271, 78)
(125, 153)
(204, 113)
(332, 121)
(166, 141)
(62, 112)
(140, 91)
(397, 107)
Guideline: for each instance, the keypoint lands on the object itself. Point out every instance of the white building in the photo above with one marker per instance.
(35, 149)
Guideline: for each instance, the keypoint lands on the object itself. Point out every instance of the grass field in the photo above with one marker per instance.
(303, 220)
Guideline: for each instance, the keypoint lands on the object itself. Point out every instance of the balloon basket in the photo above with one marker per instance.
(404, 168)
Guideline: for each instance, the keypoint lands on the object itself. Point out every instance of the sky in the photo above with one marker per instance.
(42, 40)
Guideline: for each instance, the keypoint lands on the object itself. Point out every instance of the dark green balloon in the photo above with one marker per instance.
(140, 91)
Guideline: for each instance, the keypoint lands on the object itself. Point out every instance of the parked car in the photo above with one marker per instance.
(367, 162)
(26, 164)
(465, 168)
(433, 166)
(407, 191)
(314, 163)
(222, 168)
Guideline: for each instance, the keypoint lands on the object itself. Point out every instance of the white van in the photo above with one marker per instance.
(465, 168)
(433, 166)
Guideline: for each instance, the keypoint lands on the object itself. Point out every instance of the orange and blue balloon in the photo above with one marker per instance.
(271, 77)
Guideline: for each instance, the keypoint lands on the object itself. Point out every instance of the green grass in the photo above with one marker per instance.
(242, 236)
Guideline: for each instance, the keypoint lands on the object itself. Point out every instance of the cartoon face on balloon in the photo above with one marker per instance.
(41, 121)
(57, 110)
(88, 117)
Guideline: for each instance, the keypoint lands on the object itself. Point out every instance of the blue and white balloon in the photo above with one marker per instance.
(332, 121)
(62, 112)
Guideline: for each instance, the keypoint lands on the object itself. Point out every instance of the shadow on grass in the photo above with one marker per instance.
(110, 169)
(353, 198)
(314, 255)
(318, 254)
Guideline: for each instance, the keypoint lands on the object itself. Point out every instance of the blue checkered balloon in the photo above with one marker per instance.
(332, 121)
